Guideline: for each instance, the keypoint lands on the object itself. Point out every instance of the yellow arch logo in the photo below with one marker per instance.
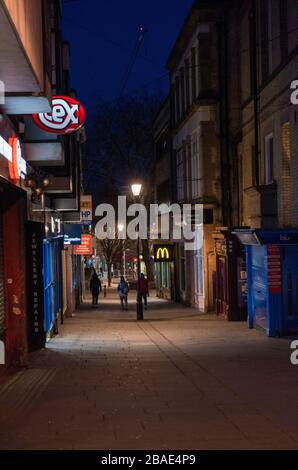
(162, 253)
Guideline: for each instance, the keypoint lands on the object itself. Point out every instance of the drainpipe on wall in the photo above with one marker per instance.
(254, 78)
(224, 121)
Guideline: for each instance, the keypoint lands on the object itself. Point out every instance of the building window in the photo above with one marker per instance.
(187, 85)
(173, 100)
(284, 41)
(253, 166)
(186, 169)
(195, 171)
(193, 74)
(266, 11)
(163, 192)
(177, 89)
(180, 176)
(268, 160)
(270, 38)
(286, 174)
(182, 83)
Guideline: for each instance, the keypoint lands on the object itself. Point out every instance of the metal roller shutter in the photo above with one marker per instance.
(2, 318)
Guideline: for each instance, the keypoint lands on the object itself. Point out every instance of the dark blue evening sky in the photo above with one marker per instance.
(103, 34)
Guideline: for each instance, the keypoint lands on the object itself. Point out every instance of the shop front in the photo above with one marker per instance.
(272, 279)
(13, 202)
(164, 271)
(230, 284)
(52, 275)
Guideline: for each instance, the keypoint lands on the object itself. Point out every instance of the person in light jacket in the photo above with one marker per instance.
(123, 293)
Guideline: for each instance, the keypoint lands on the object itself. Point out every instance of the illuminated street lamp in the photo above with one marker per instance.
(136, 189)
(120, 230)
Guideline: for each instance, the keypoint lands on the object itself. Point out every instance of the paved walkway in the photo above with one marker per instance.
(178, 380)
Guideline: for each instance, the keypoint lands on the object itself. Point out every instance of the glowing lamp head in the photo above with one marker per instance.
(136, 189)
(30, 183)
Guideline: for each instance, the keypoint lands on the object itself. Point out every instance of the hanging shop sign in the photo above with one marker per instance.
(72, 234)
(86, 208)
(67, 116)
(86, 245)
(53, 226)
(5, 149)
(17, 166)
(34, 270)
(12, 152)
(163, 253)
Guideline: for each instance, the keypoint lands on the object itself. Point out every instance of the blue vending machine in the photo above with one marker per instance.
(272, 279)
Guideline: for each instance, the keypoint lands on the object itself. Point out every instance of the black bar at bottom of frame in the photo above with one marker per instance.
(136, 459)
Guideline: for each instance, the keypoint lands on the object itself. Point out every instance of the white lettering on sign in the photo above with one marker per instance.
(5, 149)
(62, 115)
(55, 225)
(21, 163)
(86, 215)
(294, 355)
(86, 208)
(2, 92)
(294, 95)
(18, 166)
(67, 115)
(2, 353)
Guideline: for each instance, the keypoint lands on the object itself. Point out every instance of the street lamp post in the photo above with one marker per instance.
(136, 191)
(120, 230)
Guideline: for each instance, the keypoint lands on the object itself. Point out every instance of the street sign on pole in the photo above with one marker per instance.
(86, 208)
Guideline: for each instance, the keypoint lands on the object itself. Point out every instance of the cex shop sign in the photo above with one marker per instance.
(86, 245)
(68, 115)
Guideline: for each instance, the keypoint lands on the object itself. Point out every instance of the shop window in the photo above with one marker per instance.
(199, 271)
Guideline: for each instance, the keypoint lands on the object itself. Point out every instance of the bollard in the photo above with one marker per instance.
(104, 291)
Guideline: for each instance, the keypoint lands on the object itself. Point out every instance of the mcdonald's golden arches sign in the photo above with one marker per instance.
(163, 253)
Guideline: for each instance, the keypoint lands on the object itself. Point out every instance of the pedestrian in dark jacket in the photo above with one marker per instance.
(95, 288)
(142, 290)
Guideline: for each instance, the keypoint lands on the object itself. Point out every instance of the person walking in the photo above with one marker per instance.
(95, 288)
(142, 290)
(123, 293)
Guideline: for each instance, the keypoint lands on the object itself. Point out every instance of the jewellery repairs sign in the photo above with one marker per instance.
(35, 301)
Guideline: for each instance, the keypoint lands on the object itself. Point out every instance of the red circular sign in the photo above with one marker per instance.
(68, 115)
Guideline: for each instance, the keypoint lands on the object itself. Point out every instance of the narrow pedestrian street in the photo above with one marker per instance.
(177, 380)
